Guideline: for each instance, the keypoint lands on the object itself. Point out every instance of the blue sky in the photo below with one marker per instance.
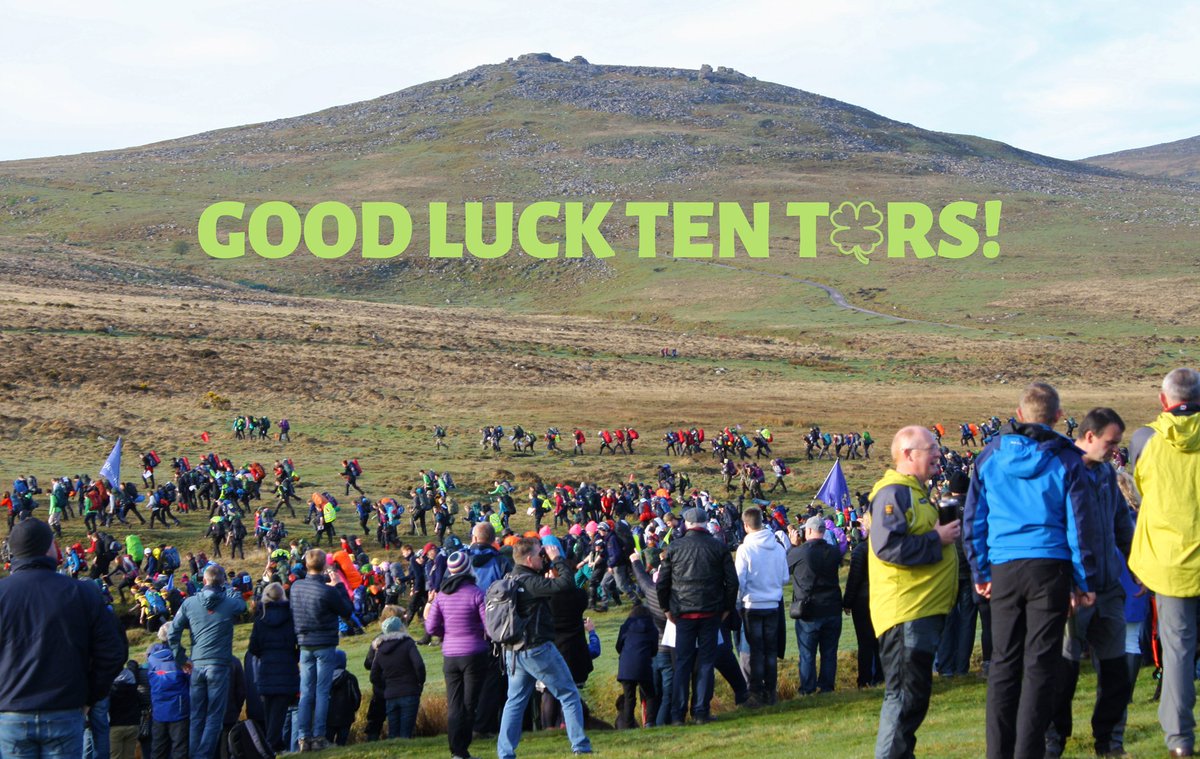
(1066, 79)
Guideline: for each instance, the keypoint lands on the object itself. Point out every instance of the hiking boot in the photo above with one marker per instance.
(318, 744)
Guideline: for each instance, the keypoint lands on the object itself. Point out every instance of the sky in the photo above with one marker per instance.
(1067, 79)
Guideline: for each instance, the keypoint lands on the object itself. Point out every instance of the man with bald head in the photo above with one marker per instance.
(1165, 458)
(913, 568)
(1030, 529)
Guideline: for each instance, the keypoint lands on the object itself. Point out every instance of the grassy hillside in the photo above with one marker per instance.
(1177, 160)
(533, 129)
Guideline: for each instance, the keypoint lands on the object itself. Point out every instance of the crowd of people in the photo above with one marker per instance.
(1052, 545)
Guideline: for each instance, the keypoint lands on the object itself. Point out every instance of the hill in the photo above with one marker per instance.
(1176, 160)
(536, 128)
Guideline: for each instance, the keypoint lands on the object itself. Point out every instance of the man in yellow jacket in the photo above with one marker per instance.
(1165, 458)
(913, 567)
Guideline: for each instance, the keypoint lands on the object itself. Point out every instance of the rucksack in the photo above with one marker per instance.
(170, 559)
(247, 740)
(355, 468)
(501, 619)
(156, 602)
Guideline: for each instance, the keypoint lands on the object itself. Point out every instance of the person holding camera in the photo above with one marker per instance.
(816, 604)
(914, 577)
(316, 607)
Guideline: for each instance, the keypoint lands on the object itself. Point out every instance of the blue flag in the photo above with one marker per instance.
(834, 491)
(111, 470)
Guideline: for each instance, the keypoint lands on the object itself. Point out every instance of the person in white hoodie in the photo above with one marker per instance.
(761, 564)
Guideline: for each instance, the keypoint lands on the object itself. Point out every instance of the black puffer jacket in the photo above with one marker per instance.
(814, 569)
(697, 575)
(398, 669)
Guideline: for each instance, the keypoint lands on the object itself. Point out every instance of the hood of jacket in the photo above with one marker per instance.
(1026, 450)
(481, 555)
(388, 642)
(277, 614)
(212, 597)
(763, 538)
(453, 582)
(1180, 430)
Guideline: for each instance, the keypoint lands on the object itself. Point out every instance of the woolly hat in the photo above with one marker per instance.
(576, 529)
(428, 547)
(29, 538)
(458, 563)
(591, 528)
(546, 530)
(393, 625)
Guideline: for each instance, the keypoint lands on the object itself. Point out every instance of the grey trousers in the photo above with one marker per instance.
(1177, 631)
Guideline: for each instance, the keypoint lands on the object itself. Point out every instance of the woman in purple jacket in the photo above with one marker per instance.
(456, 616)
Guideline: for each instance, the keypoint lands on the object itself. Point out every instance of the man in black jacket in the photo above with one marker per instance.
(537, 658)
(73, 665)
(816, 595)
(697, 585)
(316, 606)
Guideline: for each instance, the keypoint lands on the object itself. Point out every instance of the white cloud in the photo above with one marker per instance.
(1065, 79)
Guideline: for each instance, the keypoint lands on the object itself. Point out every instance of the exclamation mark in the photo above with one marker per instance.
(991, 224)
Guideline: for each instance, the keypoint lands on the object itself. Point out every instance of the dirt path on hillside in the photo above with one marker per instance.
(835, 295)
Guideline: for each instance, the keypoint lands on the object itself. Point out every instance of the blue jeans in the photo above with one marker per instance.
(526, 668)
(906, 651)
(958, 639)
(820, 634)
(695, 643)
(208, 691)
(402, 716)
(664, 678)
(316, 682)
(42, 735)
(95, 741)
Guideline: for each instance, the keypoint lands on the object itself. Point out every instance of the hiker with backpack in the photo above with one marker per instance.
(519, 617)
(351, 471)
(781, 470)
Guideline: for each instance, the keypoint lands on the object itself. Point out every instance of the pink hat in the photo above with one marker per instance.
(591, 528)
(575, 529)
(545, 531)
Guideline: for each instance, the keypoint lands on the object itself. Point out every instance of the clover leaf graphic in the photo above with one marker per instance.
(856, 229)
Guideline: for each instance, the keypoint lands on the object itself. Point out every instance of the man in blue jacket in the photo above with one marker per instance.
(1029, 530)
(316, 607)
(52, 672)
(210, 616)
(1103, 624)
